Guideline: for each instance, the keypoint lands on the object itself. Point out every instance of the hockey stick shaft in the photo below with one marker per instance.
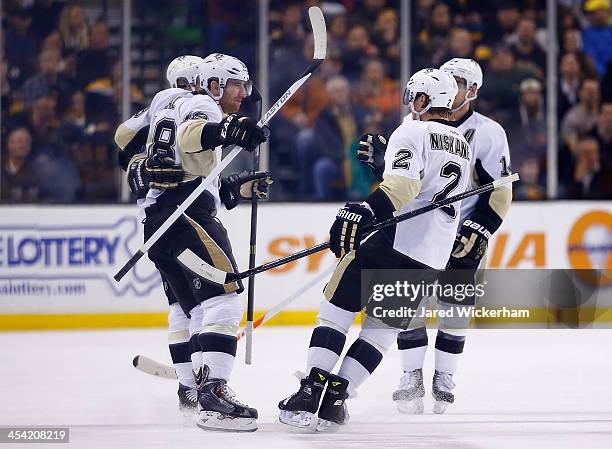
(248, 355)
(213, 175)
(231, 277)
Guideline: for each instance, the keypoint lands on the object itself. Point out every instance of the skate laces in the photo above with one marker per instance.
(411, 379)
(444, 381)
(229, 395)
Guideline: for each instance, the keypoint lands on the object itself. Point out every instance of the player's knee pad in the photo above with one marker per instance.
(335, 317)
(222, 314)
(178, 324)
(378, 334)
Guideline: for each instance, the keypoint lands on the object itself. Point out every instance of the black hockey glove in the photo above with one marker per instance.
(371, 151)
(242, 186)
(153, 172)
(242, 131)
(470, 245)
(347, 231)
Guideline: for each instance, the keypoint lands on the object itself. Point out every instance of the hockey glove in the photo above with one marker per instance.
(153, 172)
(242, 131)
(470, 245)
(348, 229)
(242, 186)
(371, 151)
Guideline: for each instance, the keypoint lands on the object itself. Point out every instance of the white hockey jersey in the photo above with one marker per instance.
(168, 110)
(490, 155)
(439, 156)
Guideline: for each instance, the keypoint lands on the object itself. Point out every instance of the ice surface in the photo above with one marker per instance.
(515, 389)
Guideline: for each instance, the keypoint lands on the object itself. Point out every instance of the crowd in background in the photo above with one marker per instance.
(61, 89)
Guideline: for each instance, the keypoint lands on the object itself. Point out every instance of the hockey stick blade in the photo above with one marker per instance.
(215, 275)
(320, 38)
(150, 366)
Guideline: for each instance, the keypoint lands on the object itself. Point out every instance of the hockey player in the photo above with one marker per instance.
(198, 230)
(480, 218)
(418, 168)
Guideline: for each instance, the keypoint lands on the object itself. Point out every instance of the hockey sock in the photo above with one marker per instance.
(328, 338)
(218, 353)
(325, 347)
(366, 353)
(359, 363)
(448, 350)
(220, 322)
(412, 345)
(178, 343)
(195, 326)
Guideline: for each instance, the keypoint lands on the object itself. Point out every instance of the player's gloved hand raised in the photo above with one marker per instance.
(371, 151)
(242, 131)
(348, 229)
(470, 245)
(156, 172)
(242, 186)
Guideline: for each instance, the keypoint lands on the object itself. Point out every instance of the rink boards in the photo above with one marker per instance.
(57, 262)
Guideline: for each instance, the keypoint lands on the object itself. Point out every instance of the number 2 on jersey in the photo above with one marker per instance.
(449, 170)
(164, 138)
(401, 159)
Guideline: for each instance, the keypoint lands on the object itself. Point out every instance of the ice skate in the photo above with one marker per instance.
(188, 403)
(298, 410)
(408, 397)
(441, 391)
(333, 412)
(218, 407)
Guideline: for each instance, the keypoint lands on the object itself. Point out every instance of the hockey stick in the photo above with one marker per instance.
(217, 276)
(320, 43)
(248, 355)
(155, 368)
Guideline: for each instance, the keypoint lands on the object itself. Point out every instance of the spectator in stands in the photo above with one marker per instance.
(49, 80)
(98, 59)
(569, 83)
(322, 160)
(597, 37)
(590, 181)
(357, 51)
(73, 28)
(501, 30)
(336, 33)
(603, 133)
(95, 161)
(582, 118)
(19, 46)
(434, 38)
(572, 43)
(460, 46)
(529, 186)
(498, 96)
(286, 45)
(527, 52)
(374, 90)
(19, 184)
(386, 37)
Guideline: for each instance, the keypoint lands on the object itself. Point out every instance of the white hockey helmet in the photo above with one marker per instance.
(440, 87)
(469, 70)
(221, 68)
(183, 71)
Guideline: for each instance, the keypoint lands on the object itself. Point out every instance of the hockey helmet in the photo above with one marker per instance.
(221, 68)
(440, 87)
(469, 70)
(184, 71)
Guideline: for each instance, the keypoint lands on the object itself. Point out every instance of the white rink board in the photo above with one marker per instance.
(61, 259)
